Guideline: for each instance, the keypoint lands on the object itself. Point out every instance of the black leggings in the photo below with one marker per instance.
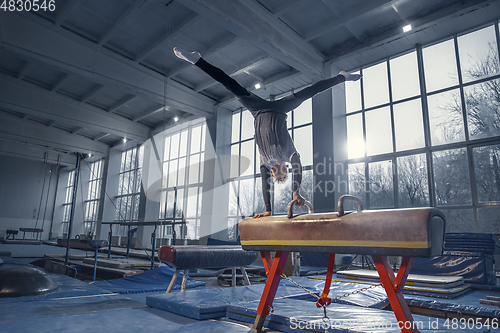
(254, 103)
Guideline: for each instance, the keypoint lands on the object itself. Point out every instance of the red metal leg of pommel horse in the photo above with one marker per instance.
(393, 285)
(273, 272)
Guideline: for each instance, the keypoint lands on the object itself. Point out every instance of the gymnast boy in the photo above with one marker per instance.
(276, 147)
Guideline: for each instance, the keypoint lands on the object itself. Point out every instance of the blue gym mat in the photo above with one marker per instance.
(204, 303)
(298, 316)
(156, 279)
(110, 321)
(213, 326)
(467, 304)
(375, 297)
(16, 311)
(210, 303)
(410, 290)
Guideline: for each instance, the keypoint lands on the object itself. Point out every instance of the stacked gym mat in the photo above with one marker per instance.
(466, 254)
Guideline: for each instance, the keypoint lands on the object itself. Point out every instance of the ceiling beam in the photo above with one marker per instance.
(121, 103)
(177, 30)
(65, 11)
(76, 130)
(460, 10)
(286, 5)
(171, 123)
(26, 68)
(91, 93)
(35, 153)
(59, 83)
(100, 136)
(15, 129)
(361, 10)
(338, 15)
(254, 23)
(33, 38)
(149, 113)
(129, 13)
(27, 98)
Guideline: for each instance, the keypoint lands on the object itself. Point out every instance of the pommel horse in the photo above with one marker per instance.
(412, 232)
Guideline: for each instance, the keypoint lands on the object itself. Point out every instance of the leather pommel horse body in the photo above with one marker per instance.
(414, 232)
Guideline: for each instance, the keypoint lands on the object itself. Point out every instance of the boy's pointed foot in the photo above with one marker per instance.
(191, 57)
(350, 77)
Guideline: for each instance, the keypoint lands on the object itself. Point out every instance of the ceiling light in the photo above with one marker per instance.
(90, 155)
(257, 86)
(407, 28)
(176, 118)
(124, 140)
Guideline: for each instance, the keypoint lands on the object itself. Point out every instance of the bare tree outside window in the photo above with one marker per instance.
(413, 185)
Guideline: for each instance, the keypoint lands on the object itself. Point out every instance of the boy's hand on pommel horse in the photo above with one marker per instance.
(256, 216)
(300, 200)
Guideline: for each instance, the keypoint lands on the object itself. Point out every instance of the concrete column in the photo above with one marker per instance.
(329, 146)
(216, 172)
(323, 184)
(339, 139)
(151, 186)
(111, 190)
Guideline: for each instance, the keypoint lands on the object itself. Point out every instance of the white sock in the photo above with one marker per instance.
(191, 57)
(350, 77)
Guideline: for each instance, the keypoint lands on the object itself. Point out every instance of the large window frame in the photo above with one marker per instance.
(182, 184)
(68, 202)
(467, 204)
(93, 196)
(129, 188)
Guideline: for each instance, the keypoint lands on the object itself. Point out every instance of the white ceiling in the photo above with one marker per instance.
(92, 72)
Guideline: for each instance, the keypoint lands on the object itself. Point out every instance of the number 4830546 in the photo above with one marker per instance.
(470, 323)
(28, 5)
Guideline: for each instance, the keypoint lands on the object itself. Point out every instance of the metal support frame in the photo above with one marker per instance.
(153, 245)
(73, 203)
(393, 285)
(273, 279)
(95, 261)
(172, 282)
(110, 237)
(128, 225)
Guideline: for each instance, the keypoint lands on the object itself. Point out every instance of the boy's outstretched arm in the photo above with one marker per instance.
(297, 179)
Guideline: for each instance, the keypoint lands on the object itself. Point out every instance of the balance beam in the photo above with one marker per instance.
(186, 257)
(416, 232)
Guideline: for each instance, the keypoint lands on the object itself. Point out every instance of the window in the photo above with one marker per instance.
(67, 202)
(440, 66)
(408, 125)
(446, 117)
(478, 54)
(245, 186)
(129, 187)
(182, 184)
(434, 140)
(483, 109)
(93, 196)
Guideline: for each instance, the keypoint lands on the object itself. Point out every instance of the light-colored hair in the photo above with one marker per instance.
(280, 180)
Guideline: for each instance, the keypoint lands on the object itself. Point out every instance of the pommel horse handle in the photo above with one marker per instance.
(348, 197)
(293, 202)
